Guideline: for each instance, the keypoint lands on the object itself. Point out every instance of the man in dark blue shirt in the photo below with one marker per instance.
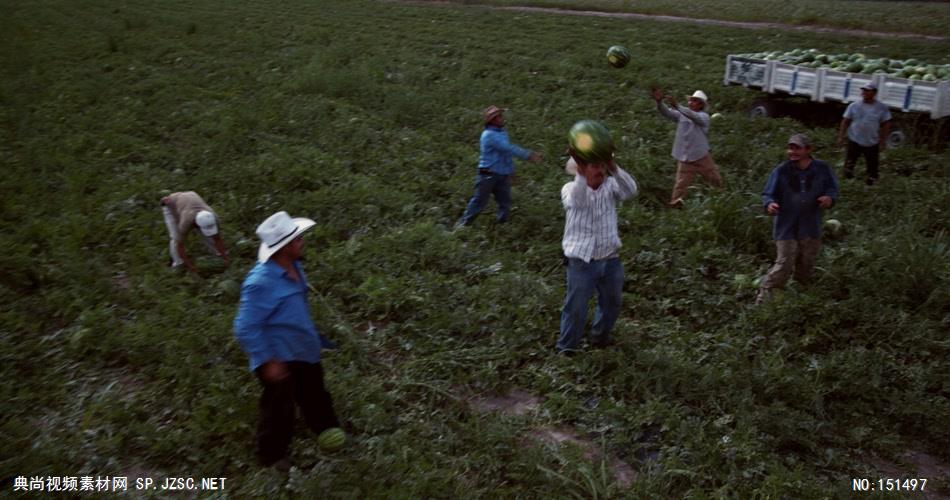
(273, 325)
(795, 193)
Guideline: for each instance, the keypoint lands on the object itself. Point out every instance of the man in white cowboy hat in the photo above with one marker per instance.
(495, 167)
(274, 327)
(868, 123)
(183, 212)
(691, 146)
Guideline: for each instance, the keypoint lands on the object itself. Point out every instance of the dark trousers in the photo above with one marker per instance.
(870, 153)
(486, 185)
(304, 385)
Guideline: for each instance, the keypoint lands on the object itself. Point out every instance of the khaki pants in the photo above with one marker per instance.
(792, 256)
(687, 170)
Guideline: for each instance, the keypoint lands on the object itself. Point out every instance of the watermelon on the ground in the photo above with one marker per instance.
(210, 264)
(832, 227)
(331, 439)
(229, 288)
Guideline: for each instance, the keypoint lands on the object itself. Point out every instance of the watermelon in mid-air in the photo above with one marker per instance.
(618, 56)
(591, 141)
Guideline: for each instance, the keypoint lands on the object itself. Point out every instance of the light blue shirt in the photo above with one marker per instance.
(273, 319)
(866, 120)
(497, 151)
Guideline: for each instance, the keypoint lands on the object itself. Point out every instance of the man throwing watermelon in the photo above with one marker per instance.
(495, 168)
(691, 146)
(591, 242)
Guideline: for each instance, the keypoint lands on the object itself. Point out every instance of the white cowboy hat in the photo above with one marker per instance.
(207, 223)
(279, 230)
(699, 94)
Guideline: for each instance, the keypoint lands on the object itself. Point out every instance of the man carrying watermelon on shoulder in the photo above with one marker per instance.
(691, 146)
(495, 168)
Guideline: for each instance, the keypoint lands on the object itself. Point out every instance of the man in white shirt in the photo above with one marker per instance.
(691, 146)
(591, 247)
(868, 123)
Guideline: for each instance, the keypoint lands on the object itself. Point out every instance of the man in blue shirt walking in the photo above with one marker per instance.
(274, 327)
(795, 193)
(495, 167)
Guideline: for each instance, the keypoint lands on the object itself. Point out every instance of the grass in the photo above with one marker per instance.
(364, 116)
(894, 16)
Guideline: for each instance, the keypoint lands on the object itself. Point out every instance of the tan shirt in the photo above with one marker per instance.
(185, 207)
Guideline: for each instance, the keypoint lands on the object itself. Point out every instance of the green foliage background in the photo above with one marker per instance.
(365, 117)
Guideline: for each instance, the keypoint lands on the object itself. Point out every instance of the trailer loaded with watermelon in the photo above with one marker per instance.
(918, 93)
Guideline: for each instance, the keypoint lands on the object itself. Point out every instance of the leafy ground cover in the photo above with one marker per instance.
(896, 16)
(364, 116)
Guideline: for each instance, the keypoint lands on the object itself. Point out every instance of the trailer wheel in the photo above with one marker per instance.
(762, 108)
(896, 139)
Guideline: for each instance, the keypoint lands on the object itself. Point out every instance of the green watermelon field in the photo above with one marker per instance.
(365, 116)
(927, 17)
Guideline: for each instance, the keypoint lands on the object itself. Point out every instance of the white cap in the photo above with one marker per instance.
(699, 94)
(277, 231)
(207, 223)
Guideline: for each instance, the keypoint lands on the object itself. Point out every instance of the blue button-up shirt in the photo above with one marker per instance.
(273, 320)
(497, 151)
(797, 191)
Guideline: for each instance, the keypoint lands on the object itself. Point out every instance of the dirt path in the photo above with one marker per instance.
(678, 19)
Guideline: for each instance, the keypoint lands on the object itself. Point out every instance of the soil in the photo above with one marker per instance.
(916, 464)
(518, 403)
(709, 22)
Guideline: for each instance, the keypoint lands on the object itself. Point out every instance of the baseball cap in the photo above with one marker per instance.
(800, 140)
(207, 223)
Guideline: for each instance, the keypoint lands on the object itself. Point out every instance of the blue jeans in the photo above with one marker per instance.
(583, 278)
(486, 185)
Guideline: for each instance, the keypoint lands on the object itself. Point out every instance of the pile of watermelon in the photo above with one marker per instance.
(858, 63)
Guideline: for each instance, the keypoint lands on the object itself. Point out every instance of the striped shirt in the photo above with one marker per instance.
(590, 225)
